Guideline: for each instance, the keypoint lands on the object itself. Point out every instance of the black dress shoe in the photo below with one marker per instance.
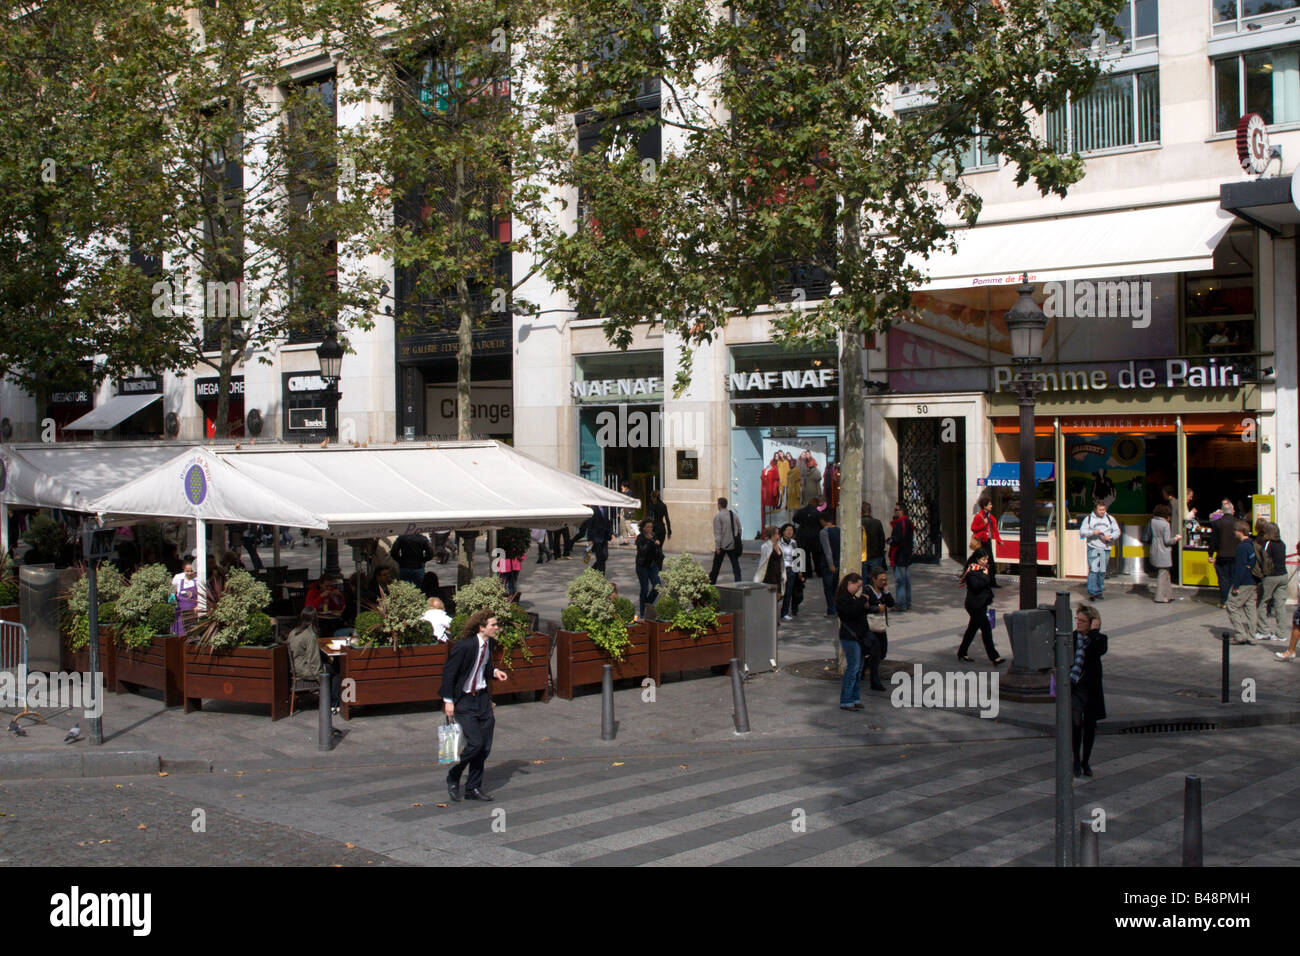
(477, 794)
(877, 686)
(1087, 771)
(963, 657)
(453, 791)
(1078, 769)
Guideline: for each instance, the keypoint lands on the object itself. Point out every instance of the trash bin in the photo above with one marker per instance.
(38, 587)
(755, 607)
(1134, 567)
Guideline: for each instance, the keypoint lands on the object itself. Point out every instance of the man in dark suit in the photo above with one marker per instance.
(598, 533)
(465, 698)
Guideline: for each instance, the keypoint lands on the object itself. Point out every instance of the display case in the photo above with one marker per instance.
(1008, 549)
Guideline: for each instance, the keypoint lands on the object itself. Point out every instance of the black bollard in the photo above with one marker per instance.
(1088, 853)
(1193, 839)
(607, 702)
(1223, 679)
(324, 725)
(741, 715)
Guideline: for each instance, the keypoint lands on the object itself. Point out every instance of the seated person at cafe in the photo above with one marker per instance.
(438, 617)
(325, 596)
(380, 582)
(307, 658)
(429, 584)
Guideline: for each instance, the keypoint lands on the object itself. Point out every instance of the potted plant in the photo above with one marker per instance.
(393, 657)
(232, 654)
(109, 585)
(598, 628)
(688, 632)
(47, 538)
(150, 652)
(525, 654)
(8, 590)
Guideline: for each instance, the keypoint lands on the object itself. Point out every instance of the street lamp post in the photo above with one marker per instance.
(1026, 321)
(330, 355)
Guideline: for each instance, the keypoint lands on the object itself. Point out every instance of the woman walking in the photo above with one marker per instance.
(790, 601)
(1162, 558)
(1087, 702)
(851, 606)
(771, 564)
(649, 558)
(877, 646)
(979, 598)
(984, 530)
(1272, 586)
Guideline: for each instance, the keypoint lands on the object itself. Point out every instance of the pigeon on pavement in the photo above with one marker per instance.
(73, 735)
(15, 729)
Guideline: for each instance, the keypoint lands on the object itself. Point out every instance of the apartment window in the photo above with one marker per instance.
(1266, 82)
(1138, 21)
(977, 151)
(1232, 11)
(1122, 110)
(314, 279)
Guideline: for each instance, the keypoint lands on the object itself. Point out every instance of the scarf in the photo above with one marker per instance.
(1080, 648)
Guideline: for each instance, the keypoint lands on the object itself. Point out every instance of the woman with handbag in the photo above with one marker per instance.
(984, 531)
(979, 598)
(1087, 701)
(878, 601)
(851, 606)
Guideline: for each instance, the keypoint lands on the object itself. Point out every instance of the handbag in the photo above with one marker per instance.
(449, 741)
(993, 618)
(878, 623)
(975, 543)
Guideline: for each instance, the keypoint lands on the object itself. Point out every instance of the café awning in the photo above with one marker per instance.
(68, 476)
(1006, 474)
(1148, 240)
(112, 413)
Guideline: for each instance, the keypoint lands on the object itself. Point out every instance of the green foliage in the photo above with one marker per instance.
(490, 593)
(625, 610)
(229, 621)
(689, 601)
(8, 581)
(594, 609)
(108, 613)
(399, 612)
(110, 586)
(261, 630)
(46, 536)
(514, 542)
(366, 627)
(150, 586)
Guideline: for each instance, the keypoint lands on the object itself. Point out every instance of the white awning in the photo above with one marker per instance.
(70, 475)
(112, 413)
(199, 484)
(1132, 242)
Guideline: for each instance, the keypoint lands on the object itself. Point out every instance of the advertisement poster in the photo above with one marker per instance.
(1106, 468)
(794, 447)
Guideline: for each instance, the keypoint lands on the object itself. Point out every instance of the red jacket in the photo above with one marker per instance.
(984, 529)
(771, 487)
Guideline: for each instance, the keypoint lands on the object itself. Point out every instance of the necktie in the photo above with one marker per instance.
(478, 668)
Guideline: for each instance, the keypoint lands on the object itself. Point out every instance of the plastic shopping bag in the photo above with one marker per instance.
(993, 618)
(449, 740)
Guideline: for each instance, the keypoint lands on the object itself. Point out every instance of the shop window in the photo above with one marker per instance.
(1219, 306)
(1121, 111)
(1266, 82)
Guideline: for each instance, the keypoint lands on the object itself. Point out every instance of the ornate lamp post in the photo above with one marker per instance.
(1026, 323)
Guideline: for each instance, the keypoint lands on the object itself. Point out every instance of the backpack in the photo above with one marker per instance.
(1263, 566)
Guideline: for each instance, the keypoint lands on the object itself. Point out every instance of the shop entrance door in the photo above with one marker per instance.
(931, 476)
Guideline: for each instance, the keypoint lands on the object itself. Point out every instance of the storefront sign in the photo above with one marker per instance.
(146, 385)
(1252, 143)
(206, 389)
(491, 411)
(306, 383)
(1176, 373)
(821, 379)
(446, 345)
(650, 388)
(307, 419)
(73, 397)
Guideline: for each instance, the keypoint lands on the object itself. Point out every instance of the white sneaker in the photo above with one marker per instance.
(786, 617)
(1261, 637)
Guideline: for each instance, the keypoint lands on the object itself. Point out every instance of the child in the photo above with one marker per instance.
(438, 617)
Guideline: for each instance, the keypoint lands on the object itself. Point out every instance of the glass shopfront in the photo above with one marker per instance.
(619, 398)
(784, 402)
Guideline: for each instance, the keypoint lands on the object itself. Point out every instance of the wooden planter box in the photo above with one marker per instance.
(579, 662)
(534, 675)
(159, 666)
(252, 675)
(385, 675)
(9, 612)
(79, 661)
(671, 650)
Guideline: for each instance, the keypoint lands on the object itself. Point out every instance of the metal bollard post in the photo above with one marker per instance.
(324, 725)
(607, 702)
(741, 715)
(1088, 852)
(1223, 679)
(1064, 751)
(1193, 838)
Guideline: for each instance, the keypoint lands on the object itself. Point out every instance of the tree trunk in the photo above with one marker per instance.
(223, 384)
(852, 457)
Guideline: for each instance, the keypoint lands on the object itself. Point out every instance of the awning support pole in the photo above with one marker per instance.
(201, 561)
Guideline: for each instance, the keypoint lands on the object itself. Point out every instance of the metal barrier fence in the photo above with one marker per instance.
(13, 662)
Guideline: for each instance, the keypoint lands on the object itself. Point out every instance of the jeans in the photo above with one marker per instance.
(1223, 571)
(871, 566)
(790, 602)
(830, 581)
(851, 683)
(1097, 561)
(903, 587)
(511, 580)
(648, 575)
(413, 575)
(250, 545)
(600, 554)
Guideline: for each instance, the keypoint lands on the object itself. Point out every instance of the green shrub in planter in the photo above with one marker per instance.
(46, 536)
(109, 586)
(625, 609)
(261, 630)
(398, 619)
(490, 593)
(689, 602)
(144, 608)
(593, 609)
(235, 612)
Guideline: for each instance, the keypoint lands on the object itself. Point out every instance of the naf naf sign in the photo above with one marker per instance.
(818, 380)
